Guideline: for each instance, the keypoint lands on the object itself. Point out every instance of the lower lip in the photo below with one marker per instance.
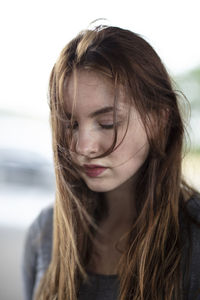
(94, 172)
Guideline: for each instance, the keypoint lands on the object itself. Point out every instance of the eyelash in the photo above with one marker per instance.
(107, 127)
(110, 126)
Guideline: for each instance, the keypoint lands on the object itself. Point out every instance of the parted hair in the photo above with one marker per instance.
(149, 268)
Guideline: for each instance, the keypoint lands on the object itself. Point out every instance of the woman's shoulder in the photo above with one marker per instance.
(39, 234)
(193, 208)
(41, 228)
(190, 229)
(190, 220)
(45, 218)
(37, 250)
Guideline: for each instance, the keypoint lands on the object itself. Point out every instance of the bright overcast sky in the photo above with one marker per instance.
(34, 32)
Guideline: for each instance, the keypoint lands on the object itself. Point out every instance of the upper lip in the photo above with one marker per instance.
(93, 166)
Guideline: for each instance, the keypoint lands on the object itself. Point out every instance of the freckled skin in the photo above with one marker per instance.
(94, 92)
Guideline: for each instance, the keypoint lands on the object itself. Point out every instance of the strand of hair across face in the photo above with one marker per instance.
(124, 162)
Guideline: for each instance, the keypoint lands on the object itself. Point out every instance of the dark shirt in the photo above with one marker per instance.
(38, 247)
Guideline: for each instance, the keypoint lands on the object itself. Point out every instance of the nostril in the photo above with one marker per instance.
(86, 148)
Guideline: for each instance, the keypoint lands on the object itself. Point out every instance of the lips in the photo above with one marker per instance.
(94, 170)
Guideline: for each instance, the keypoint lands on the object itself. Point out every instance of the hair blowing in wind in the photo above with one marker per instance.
(149, 267)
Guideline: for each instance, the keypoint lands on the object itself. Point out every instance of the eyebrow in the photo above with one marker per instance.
(97, 112)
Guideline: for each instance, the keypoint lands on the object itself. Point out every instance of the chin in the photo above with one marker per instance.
(100, 187)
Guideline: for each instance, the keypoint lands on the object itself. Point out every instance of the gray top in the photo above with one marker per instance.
(37, 256)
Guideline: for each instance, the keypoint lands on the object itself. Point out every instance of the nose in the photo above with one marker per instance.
(87, 144)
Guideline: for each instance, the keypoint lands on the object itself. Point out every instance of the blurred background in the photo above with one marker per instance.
(32, 35)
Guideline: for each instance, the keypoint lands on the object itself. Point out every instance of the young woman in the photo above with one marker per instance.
(124, 225)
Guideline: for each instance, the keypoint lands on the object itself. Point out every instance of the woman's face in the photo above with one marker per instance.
(93, 132)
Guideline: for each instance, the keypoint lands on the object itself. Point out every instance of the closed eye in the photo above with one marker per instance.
(110, 126)
(107, 126)
(74, 125)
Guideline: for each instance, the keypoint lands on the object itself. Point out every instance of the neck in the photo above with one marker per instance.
(121, 205)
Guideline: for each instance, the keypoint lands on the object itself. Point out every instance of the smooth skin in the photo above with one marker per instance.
(93, 135)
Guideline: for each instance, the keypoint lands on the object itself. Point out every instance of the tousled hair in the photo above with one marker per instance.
(149, 268)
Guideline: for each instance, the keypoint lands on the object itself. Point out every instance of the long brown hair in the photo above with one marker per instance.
(150, 266)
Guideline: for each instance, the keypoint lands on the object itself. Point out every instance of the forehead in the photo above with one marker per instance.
(86, 90)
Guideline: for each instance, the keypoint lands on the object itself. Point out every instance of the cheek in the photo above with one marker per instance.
(133, 144)
(132, 152)
(126, 163)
